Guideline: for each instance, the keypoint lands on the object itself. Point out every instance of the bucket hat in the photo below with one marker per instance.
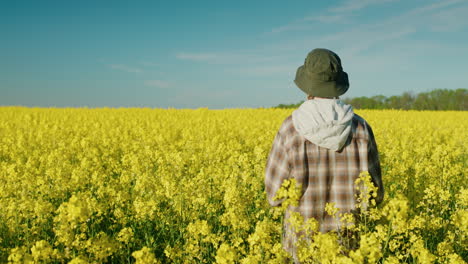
(322, 74)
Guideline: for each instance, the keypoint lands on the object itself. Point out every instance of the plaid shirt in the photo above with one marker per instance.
(326, 176)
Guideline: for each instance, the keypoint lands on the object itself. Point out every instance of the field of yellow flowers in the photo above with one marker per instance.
(186, 186)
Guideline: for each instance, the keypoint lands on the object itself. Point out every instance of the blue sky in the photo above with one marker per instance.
(222, 54)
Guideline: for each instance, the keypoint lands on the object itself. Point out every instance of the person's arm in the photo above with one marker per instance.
(277, 169)
(374, 165)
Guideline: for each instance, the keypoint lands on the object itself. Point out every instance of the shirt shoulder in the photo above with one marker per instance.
(359, 119)
(360, 127)
(287, 127)
(289, 135)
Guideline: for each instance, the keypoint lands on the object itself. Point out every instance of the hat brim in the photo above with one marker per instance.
(316, 86)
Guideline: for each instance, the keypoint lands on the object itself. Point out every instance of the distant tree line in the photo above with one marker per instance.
(439, 99)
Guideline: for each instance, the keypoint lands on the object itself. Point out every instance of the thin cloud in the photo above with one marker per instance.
(364, 47)
(292, 27)
(150, 64)
(354, 5)
(450, 20)
(125, 68)
(366, 39)
(199, 56)
(327, 18)
(446, 16)
(227, 58)
(337, 14)
(158, 83)
(440, 16)
(437, 5)
(306, 23)
(268, 70)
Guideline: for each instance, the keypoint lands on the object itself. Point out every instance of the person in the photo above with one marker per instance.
(323, 145)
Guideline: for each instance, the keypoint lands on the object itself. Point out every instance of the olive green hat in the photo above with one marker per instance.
(322, 74)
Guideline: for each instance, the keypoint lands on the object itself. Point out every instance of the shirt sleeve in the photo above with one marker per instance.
(374, 165)
(277, 169)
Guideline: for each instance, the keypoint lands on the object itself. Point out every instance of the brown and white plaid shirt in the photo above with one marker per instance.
(326, 176)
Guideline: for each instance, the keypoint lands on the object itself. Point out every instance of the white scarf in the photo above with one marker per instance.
(324, 122)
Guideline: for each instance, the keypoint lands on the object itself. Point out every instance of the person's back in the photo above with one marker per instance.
(323, 145)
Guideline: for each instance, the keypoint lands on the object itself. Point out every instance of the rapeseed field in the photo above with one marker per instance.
(125, 185)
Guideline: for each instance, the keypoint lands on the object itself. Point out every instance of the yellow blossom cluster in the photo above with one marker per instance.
(186, 186)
